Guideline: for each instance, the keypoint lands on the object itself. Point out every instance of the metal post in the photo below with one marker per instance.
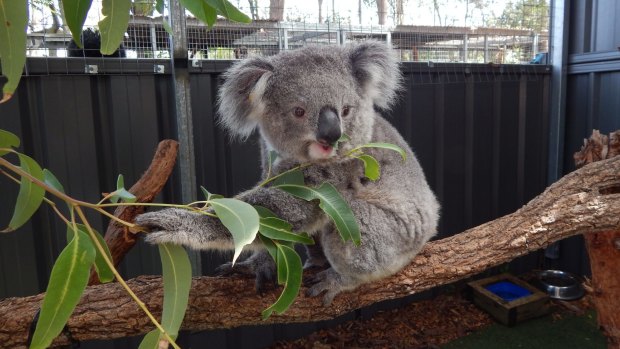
(560, 11)
(153, 39)
(486, 48)
(285, 38)
(465, 48)
(534, 45)
(180, 75)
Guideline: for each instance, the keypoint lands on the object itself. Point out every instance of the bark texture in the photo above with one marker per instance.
(579, 202)
(119, 239)
(604, 247)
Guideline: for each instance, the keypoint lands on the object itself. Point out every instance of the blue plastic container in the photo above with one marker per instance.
(507, 291)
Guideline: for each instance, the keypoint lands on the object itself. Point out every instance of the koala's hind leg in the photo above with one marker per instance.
(316, 258)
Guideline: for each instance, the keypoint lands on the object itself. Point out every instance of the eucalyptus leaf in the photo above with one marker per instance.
(67, 283)
(278, 229)
(269, 246)
(8, 140)
(389, 146)
(75, 12)
(177, 277)
(295, 177)
(208, 195)
(114, 24)
(281, 266)
(52, 181)
(228, 10)
(240, 218)
(273, 156)
(30, 195)
(151, 340)
(291, 262)
(122, 195)
(13, 21)
(371, 167)
(102, 268)
(201, 10)
(332, 204)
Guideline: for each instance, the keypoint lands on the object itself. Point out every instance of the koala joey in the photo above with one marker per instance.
(301, 102)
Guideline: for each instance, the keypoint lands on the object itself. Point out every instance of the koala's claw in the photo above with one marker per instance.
(327, 281)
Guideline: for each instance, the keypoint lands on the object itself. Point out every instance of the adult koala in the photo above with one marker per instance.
(302, 101)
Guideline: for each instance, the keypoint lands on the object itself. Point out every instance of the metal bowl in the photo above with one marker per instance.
(560, 284)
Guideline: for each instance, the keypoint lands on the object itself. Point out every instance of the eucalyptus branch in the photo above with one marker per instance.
(120, 279)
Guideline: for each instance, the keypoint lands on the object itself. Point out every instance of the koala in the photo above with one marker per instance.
(302, 102)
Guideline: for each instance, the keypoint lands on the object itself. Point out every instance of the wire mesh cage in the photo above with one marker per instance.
(491, 31)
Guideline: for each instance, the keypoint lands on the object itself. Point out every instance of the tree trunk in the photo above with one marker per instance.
(604, 247)
(320, 11)
(276, 10)
(382, 11)
(400, 12)
(579, 202)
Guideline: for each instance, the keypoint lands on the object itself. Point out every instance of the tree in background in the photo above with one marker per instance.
(525, 14)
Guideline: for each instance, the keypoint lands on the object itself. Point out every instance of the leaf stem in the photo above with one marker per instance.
(269, 180)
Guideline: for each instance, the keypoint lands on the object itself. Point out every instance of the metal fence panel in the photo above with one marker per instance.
(478, 131)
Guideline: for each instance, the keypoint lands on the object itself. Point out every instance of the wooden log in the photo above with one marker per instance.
(604, 247)
(119, 239)
(575, 204)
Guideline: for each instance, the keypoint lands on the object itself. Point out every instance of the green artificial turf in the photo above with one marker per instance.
(579, 332)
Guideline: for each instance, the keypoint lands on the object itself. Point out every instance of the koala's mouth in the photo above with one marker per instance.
(320, 151)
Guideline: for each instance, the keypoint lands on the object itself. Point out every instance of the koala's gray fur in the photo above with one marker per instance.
(397, 214)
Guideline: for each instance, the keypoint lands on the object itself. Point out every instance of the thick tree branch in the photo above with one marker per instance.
(583, 201)
(604, 247)
(119, 239)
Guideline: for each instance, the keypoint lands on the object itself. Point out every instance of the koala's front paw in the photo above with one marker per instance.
(167, 226)
(260, 265)
(328, 281)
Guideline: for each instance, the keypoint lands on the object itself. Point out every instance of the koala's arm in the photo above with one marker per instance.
(200, 231)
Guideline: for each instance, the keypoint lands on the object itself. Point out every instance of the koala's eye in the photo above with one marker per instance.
(346, 110)
(299, 112)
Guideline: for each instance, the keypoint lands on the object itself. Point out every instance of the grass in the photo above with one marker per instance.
(578, 332)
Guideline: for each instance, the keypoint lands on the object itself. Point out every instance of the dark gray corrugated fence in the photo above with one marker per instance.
(480, 132)
(592, 90)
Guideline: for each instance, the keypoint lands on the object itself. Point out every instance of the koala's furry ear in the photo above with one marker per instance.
(375, 67)
(240, 97)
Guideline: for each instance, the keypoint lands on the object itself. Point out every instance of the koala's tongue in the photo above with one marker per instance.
(320, 151)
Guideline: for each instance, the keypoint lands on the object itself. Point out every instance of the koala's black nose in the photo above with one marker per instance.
(329, 126)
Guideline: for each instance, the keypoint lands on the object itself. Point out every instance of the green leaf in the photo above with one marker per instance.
(201, 10)
(30, 195)
(67, 283)
(389, 146)
(8, 140)
(177, 277)
(13, 21)
(101, 267)
(208, 195)
(281, 266)
(278, 229)
(332, 204)
(114, 24)
(151, 340)
(240, 218)
(159, 6)
(273, 156)
(270, 246)
(289, 259)
(121, 193)
(75, 12)
(264, 212)
(167, 27)
(228, 10)
(295, 177)
(52, 181)
(371, 167)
